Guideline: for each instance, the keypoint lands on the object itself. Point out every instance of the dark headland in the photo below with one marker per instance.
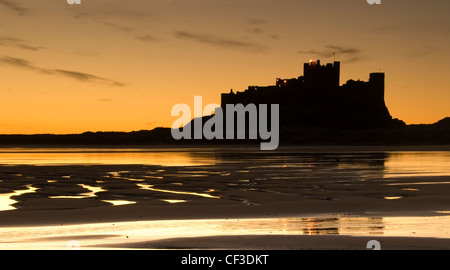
(314, 110)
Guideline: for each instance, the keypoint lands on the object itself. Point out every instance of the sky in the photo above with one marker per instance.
(110, 65)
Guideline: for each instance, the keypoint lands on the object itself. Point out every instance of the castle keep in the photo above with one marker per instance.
(318, 99)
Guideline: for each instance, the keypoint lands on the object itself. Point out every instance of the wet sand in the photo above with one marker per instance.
(292, 242)
(80, 194)
(213, 194)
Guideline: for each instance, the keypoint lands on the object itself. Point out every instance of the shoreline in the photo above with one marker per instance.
(233, 147)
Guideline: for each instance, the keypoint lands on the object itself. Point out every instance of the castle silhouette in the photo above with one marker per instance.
(317, 99)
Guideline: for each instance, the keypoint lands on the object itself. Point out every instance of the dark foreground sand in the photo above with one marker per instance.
(291, 242)
(224, 191)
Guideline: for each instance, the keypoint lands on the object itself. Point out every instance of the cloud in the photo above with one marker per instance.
(13, 6)
(262, 32)
(124, 21)
(85, 77)
(120, 19)
(114, 12)
(100, 19)
(257, 27)
(146, 38)
(80, 76)
(256, 30)
(316, 53)
(349, 54)
(257, 21)
(115, 26)
(342, 50)
(19, 43)
(221, 41)
(20, 63)
(106, 100)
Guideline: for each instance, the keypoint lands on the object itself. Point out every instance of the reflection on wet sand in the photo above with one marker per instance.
(6, 200)
(394, 163)
(344, 226)
(118, 202)
(108, 235)
(65, 156)
(417, 164)
(150, 187)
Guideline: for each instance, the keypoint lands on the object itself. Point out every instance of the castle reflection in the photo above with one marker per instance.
(343, 225)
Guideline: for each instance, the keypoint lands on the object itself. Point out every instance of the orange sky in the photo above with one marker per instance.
(110, 65)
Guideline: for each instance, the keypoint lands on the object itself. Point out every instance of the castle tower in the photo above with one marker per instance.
(376, 83)
(228, 98)
(336, 73)
(317, 76)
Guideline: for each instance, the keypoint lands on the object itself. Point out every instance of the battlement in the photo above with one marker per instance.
(316, 75)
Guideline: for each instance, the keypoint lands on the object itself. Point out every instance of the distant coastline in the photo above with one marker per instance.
(426, 134)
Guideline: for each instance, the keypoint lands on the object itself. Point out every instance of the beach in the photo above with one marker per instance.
(330, 199)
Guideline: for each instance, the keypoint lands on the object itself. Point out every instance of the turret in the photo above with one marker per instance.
(376, 83)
